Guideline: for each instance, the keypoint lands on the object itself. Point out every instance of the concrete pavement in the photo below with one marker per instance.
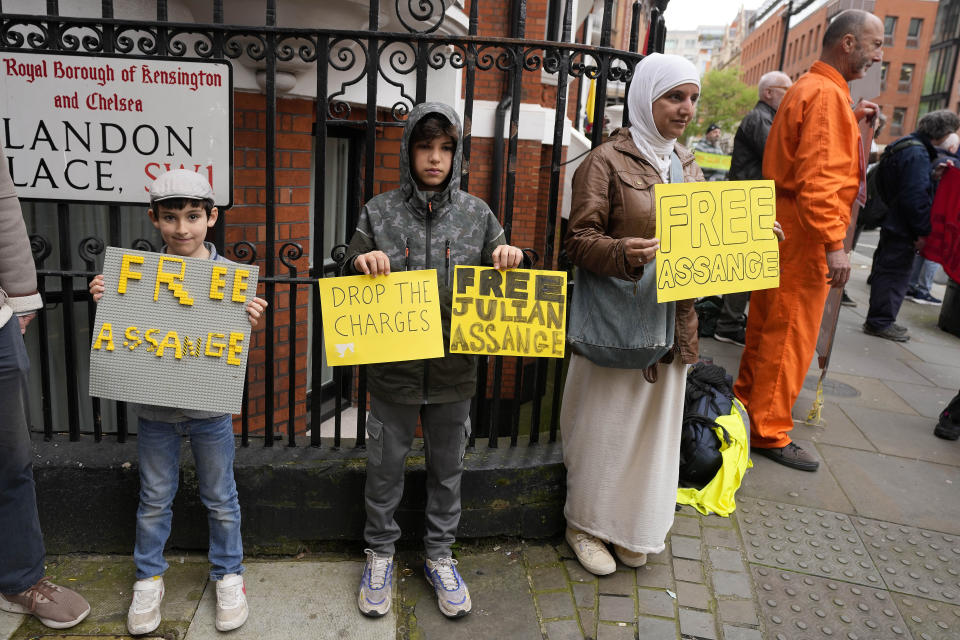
(867, 547)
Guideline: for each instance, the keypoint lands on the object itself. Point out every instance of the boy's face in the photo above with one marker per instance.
(430, 161)
(184, 230)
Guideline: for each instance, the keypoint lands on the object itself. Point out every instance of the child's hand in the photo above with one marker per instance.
(507, 256)
(255, 309)
(778, 231)
(97, 287)
(372, 263)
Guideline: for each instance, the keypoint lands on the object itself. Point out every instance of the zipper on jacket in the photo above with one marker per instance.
(426, 363)
(406, 255)
(446, 259)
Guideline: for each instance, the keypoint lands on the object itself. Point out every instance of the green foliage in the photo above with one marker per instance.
(724, 99)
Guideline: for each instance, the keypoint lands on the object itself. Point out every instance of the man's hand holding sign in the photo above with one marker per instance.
(716, 238)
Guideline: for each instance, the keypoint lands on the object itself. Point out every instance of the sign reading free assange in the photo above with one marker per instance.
(715, 238)
(518, 312)
(102, 128)
(172, 331)
(381, 318)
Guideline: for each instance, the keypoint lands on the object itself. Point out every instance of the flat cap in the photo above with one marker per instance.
(180, 183)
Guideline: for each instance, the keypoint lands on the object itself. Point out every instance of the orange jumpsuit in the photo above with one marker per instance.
(812, 154)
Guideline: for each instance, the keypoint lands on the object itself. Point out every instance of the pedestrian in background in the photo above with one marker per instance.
(906, 184)
(710, 143)
(747, 164)
(815, 156)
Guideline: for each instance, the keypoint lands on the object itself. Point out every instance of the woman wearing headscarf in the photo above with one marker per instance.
(623, 399)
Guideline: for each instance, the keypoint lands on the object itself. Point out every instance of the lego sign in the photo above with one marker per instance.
(388, 318)
(101, 128)
(518, 312)
(172, 331)
(715, 238)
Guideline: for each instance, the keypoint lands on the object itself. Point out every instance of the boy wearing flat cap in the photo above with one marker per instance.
(181, 208)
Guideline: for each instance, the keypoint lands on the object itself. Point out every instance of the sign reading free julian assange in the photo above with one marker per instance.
(102, 128)
(172, 331)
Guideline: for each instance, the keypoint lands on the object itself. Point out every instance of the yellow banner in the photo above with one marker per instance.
(381, 319)
(716, 238)
(518, 312)
(714, 161)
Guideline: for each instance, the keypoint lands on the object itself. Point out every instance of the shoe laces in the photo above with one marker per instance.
(587, 542)
(146, 599)
(444, 568)
(229, 596)
(41, 592)
(378, 568)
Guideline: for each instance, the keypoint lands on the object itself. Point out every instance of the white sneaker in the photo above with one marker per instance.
(453, 597)
(591, 552)
(630, 558)
(232, 607)
(376, 585)
(144, 613)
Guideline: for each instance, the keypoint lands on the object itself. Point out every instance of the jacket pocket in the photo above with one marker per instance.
(636, 192)
(374, 440)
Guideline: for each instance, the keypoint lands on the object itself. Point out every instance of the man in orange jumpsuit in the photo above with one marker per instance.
(814, 155)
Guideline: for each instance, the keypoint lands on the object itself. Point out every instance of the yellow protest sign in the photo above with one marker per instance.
(381, 319)
(715, 238)
(715, 161)
(518, 312)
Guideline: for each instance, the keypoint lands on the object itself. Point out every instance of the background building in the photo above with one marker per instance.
(698, 46)
(939, 82)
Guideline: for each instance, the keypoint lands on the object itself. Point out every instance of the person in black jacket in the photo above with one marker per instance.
(907, 188)
(747, 164)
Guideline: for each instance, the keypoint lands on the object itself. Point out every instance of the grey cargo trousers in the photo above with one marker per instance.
(391, 427)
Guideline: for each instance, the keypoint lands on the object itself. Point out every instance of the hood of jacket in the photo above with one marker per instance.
(412, 194)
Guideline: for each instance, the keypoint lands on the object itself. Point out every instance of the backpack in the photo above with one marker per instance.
(714, 441)
(875, 210)
(708, 312)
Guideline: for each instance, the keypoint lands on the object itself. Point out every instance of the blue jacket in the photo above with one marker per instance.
(907, 188)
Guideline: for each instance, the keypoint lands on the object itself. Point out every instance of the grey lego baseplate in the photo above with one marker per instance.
(804, 539)
(194, 317)
(915, 561)
(795, 606)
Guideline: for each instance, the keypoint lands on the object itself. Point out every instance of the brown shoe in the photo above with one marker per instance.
(55, 606)
(790, 456)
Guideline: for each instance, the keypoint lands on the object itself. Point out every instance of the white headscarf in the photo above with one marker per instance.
(653, 76)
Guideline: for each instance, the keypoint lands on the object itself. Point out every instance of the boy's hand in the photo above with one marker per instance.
(507, 256)
(372, 263)
(255, 310)
(97, 287)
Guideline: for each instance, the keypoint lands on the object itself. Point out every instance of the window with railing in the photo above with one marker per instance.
(884, 70)
(896, 122)
(889, 27)
(906, 78)
(913, 33)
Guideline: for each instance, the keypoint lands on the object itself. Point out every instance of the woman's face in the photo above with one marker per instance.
(673, 110)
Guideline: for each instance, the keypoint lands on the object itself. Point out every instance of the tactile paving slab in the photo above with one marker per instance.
(911, 560)
(928, 619)
(822, 543)
(802, 607)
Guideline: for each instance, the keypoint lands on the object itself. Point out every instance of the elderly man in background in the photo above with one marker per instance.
(747, 164)
(815, 156)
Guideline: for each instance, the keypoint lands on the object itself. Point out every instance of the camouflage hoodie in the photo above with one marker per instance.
(427, 230)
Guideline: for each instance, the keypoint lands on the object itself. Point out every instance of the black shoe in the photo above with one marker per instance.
(948, 427)
(790, 456)
(846, 300)
(738, 337)
(889, 333)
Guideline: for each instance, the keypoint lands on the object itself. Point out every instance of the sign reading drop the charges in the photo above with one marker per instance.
(102, 128)
(518, 312)
(381, 318)
(715, 238)
(172, 331)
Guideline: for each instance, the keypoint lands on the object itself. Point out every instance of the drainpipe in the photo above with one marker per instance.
(496, 184)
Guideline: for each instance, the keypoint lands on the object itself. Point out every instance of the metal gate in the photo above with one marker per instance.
(67, 252)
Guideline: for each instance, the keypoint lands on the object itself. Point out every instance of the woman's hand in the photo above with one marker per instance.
(372, 263)
(97, 287)
(640, 251)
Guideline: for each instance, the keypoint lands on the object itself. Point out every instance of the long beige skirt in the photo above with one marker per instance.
(621, 447)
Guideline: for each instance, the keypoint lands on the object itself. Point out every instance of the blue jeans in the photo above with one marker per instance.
(158, 446)
(21, 552)
(921, 278)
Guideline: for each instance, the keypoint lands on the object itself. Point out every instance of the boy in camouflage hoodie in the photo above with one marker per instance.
(428, 223)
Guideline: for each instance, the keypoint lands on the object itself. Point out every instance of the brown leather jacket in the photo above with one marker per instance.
(612, 200)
